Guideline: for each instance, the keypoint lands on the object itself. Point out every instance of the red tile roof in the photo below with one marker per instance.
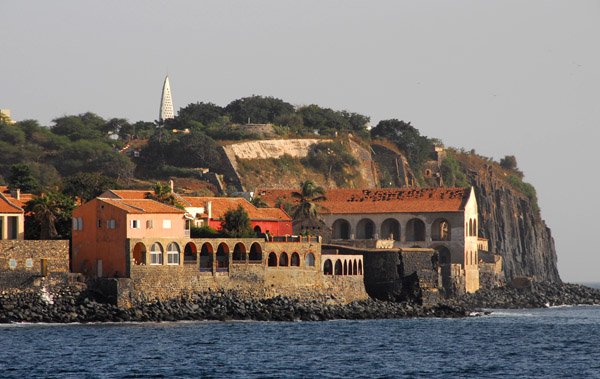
(382, 200)
(220, 205)
(142, 206)
(10, 202)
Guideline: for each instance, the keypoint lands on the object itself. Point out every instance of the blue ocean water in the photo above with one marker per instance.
(554, 342)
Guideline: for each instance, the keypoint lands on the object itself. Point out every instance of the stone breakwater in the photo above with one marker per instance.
(71, 305)
(528, 294)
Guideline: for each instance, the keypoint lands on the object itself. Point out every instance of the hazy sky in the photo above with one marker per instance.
(503, 77)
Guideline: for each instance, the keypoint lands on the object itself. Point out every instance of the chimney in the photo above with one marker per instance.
(172, 186)
(18, 194)
(209, 209)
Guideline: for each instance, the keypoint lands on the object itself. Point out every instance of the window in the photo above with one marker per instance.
(135, 224)
(75, 223)
(110, 224)
(310, 260)
(12, 263)
(166, 224)
(80, 223)
(156, 256)
(173, 254)
(99, 223)
(149, 224)
(29, 262)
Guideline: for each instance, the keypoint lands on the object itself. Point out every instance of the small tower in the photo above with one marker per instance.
(166, 103)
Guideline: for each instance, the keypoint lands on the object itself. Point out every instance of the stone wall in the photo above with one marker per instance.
(21, 262)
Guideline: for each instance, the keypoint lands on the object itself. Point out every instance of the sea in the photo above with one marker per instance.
(556, 342)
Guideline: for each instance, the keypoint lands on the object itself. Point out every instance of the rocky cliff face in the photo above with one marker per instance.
(508, 221)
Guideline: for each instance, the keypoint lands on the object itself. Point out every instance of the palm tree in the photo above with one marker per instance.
(309, 195)
(46, 212)
(258, 202)
(162, 194)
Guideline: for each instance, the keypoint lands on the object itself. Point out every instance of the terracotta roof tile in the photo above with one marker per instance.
(9, 199)
(220, 205)
(142, 206)
(382, 200)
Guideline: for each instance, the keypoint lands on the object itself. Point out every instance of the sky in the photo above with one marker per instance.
(502, 77)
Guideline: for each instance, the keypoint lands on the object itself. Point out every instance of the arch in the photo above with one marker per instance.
(475, 227)
(295, 259)
(360, 268)
(257, 230)
(190, 253)
(206, 257)
(327, 267)
(415, 230)
(255, 252)
(156, 254)
(239, 253)
(338, 268)
(390, 229)
(470, 227)
(309, 260)
(341, 229)
(440, 230)
(444, 256)
(283, 259)
(354, 268)
(222, 257)
(173, 253)
(272, 260)
(365, 229)
(427, 172)
(139, 254)
(345, 267)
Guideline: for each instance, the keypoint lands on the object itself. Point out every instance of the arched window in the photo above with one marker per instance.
(443, 255)
(341, 229)
(206, 257)
(365, 229)
(471, 227)
(327, 267)
(156, 254)
(255, 253)
(295, 260)
(239, 252)
(257, 230)
(283, 259)
(390, 229)
(415, 230)
(440, 230)
(223, 257)
(345, 267)
(354, 268)
(360, 272)
(272, 262)
(338, 267)
(190, 254)
(139, 254)
(173, 254)
(310, 260)
(475, 227)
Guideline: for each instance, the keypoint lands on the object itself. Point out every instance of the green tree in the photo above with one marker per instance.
(204, 113)
(196, 150)
(87, 186)
(257, 109)
(22, 178)
(84, 126)
(258, 202)
(236, 223)
(162, 194)
(51, 215)
(408, 139)
(308, 197)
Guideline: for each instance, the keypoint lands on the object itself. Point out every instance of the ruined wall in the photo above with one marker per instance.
(26, 258)
(508, 221)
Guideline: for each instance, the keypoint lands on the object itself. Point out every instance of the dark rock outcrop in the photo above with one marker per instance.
(509, 221)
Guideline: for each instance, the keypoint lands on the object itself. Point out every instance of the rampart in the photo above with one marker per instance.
(25, 263)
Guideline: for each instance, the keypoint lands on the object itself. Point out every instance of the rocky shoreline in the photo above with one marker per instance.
(524, 293)
(72, 304)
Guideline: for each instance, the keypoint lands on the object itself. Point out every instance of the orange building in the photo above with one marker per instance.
(101, 228)
(210, 211)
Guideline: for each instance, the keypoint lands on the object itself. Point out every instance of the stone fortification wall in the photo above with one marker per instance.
(21, 262)
(490, 269)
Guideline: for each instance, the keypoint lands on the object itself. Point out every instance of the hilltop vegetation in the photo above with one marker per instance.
(79, 156)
